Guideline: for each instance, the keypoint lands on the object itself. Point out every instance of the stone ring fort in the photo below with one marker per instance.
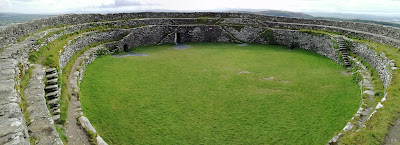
(36, 80)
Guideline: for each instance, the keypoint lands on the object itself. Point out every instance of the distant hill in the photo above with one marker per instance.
(8, 18)
(350, 17)
(361, 21)
(356, 16)
(276, 13)
(284, 14)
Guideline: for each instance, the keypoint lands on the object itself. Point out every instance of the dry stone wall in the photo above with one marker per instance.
(10, 33)
(13, 63)
(159, 34)
(380, 62)
(83, 41)
(321, 45)
(244, 33)
(12, 122)
(150, 35)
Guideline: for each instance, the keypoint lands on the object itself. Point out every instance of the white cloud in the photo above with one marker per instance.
(125, 3)
(4, 5)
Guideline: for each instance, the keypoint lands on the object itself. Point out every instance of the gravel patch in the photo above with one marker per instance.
(181, 47)
(131, 54)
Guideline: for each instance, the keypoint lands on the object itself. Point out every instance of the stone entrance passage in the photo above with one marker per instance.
(178, 38)
(126, 48)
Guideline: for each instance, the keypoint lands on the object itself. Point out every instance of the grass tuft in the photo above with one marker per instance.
(23, 84)
(24, 104)
(61, 133)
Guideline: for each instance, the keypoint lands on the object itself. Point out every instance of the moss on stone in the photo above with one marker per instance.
(238, 27)
(269, 36)
(92, 136)
(22, 38)
(314, 33)
(23, 85)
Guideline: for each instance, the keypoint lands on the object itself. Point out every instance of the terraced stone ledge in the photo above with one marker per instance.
(365, 111)
(78, 71)
(12, 121)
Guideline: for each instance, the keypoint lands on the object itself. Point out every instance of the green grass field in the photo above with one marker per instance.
(199, 96)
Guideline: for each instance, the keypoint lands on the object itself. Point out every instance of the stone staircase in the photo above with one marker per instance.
(343, 51)
(41, 126)
(13, 126)
(52, 93)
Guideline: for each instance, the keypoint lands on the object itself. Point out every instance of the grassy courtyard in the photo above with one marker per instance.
(218, 93)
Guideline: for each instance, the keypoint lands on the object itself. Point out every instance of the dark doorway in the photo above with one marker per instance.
(178, 38)
(126, 48)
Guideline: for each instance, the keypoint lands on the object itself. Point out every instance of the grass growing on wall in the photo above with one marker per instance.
(376, 80)
(50, 53)
(268, 34)
(55, 32)
(23, 84)
(24, 104)
(60, 131)
(22, 38)
(65, 94)
(218, 93)
(323, 32)
(377, 127)
(313, 32)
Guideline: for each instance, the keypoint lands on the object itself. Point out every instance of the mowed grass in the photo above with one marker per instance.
(203, 95)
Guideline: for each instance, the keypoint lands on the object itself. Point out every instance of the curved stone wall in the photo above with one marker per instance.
(85, 40)
(10, 33)
(380, 62)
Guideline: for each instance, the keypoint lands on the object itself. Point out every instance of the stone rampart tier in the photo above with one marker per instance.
(10, 33)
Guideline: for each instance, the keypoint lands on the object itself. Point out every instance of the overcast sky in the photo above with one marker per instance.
(377, 7)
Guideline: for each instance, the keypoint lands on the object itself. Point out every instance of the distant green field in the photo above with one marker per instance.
(218, 93)
(8, 18)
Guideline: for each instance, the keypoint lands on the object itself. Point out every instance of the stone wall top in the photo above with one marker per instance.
(10, 33)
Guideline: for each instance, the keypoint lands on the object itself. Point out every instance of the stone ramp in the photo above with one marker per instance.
(76, 134)
(13, 129)
(41, 123)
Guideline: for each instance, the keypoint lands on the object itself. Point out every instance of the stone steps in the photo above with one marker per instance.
(41, 122)
(13, 127)
(51, 88)
(52, 76)
(52, 81)
(52, 93)
(51, 71)
(54, 102)
(57, 111)
(343, 51)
